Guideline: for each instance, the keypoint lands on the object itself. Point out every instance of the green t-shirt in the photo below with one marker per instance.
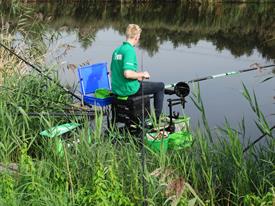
(124, 58)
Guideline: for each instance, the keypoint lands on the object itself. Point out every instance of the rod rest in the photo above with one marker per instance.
(173, 114)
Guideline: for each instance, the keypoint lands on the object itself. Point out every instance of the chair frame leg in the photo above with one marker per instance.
(108, 118)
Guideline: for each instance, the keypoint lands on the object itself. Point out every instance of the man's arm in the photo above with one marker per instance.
(129, 74)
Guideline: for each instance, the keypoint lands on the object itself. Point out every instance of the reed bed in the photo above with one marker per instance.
(104, 172)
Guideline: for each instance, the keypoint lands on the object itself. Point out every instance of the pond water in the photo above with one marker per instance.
(179, 42)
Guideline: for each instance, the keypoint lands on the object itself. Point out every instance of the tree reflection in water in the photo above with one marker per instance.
(240, 28)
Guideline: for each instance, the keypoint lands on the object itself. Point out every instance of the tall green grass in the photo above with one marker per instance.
(104, 172)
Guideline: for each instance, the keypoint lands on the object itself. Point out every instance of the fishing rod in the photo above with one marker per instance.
(144, 182)
(47, 99)
(61, 114)
(257, 140)
(39, 71)
(182, 89)
(70, 112)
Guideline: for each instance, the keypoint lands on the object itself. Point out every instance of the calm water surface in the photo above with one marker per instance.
(179, 43)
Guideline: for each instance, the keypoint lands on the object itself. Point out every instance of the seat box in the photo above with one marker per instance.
(130, 110)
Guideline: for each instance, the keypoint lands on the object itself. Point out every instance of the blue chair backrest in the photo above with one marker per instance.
(93, 77)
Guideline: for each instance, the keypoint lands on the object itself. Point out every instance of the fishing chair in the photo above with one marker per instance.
(129, 111)
(94, 78)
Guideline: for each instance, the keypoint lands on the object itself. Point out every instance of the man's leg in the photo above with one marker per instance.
(157, 89)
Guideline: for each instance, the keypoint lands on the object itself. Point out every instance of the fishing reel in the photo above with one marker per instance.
(182, 89)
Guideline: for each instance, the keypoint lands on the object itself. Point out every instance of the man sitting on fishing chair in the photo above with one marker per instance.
(125, 78)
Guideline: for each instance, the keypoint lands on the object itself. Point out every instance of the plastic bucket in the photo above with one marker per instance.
(102, 93)
(181, 123)
(180, 140)
(157, 144)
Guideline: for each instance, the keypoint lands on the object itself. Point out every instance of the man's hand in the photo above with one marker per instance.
(146, 75)
(143, 75)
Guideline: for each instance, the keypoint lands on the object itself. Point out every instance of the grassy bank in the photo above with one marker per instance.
(108, 173)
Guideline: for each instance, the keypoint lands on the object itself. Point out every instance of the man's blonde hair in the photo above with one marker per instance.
(132, 30)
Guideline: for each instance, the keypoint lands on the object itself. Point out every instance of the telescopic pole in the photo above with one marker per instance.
(39, 70)
(223, 74)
